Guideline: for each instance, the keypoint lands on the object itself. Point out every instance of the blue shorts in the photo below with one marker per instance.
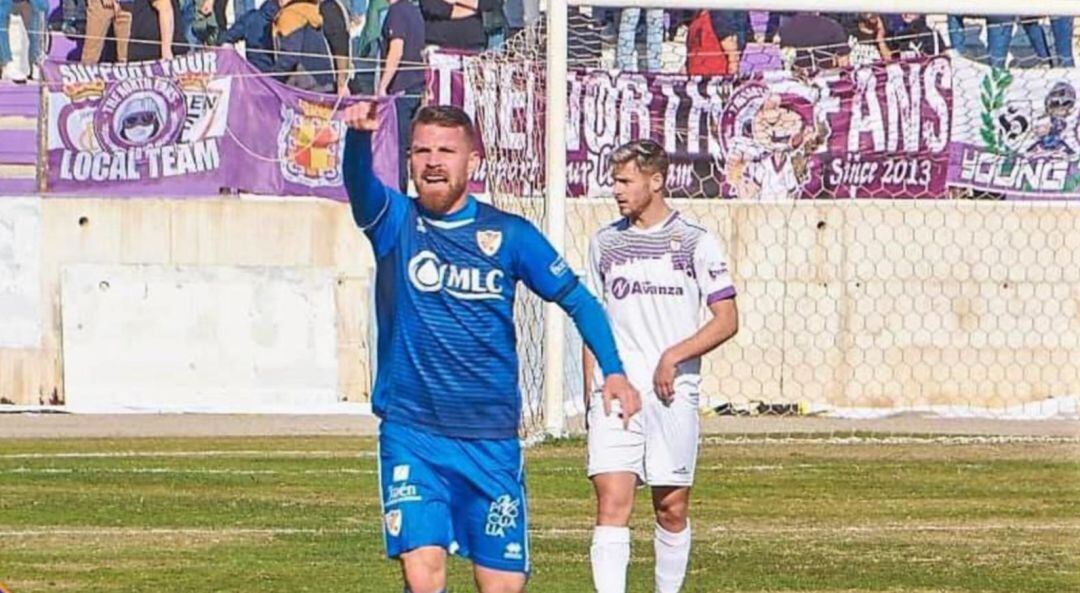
(466, 496)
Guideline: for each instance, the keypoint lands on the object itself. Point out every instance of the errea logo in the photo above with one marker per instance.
(428, 274)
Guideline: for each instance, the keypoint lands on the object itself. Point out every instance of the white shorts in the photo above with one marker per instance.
(660, 446)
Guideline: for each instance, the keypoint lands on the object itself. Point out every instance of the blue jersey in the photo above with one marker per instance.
(445, 288)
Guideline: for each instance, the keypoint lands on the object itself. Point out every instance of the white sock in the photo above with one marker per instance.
(610, 554)
(672, 554)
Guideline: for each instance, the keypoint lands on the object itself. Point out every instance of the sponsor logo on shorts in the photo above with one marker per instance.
(393, 522)
(682, 471)
(502, 515)
(401, 473)
(513, 551)
(402, 493)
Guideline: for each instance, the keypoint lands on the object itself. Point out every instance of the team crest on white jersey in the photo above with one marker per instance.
(489, 241)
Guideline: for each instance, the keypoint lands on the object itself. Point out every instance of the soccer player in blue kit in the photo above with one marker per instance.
(451, 467)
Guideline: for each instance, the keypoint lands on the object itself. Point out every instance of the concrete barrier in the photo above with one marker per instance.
(199, 338)
(855, 304)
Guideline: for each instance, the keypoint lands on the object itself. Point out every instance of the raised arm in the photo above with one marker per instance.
(377, 209)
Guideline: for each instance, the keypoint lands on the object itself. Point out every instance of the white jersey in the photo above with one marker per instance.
(654, 284)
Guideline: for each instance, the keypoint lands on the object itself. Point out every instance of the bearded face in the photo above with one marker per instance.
(441, 160)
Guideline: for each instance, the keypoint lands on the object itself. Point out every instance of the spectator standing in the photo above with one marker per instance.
(777, 19)
(711, 45)
(626, 50)
(1062, 28)
(100, 15)
(914, 38)
(999, 34)
(155, 31)
(584, 39)
(33, 15)
(366, 48)
(74, 13)
(957, 33)
(302, 55)
(205, 27)
(494, 25)
(867, 33)
(241, 8)
(456, 24)
(402, 74)
(514, 14)
(336, 29)
(817, 40)
(254, 29)
(217, 8)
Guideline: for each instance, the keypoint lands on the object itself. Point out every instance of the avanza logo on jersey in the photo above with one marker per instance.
(622, 288)
(428, 274)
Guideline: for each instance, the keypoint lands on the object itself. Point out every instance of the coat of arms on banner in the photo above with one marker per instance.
(310, 144)
(489, 241)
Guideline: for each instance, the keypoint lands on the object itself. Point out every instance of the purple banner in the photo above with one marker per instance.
(876, 131)
(194, 125)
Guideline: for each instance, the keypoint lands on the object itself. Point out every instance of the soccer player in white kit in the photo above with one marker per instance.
(654, 271)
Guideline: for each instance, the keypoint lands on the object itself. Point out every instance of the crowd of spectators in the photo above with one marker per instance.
(377, 46)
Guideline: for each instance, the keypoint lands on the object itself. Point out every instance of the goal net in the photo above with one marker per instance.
(899, 207)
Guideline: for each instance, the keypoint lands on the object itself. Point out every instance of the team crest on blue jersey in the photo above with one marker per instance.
(393, 522)
(489, 241)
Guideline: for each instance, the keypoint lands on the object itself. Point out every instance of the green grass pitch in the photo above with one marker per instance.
(302, 514)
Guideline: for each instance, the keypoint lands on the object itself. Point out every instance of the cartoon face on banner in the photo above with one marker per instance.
(142, 113)
(1055, 129)
(766, 139)
(310, 145)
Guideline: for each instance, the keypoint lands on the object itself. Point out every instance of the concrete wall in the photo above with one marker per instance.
(853, 304)
(315, 234)
(199, 338)
(893, 303)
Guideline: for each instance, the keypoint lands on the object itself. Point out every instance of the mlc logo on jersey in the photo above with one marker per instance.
(428, 274)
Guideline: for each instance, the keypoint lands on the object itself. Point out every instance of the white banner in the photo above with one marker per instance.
(1016, 132)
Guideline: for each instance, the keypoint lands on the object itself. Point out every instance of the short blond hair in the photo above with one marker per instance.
(647, 154)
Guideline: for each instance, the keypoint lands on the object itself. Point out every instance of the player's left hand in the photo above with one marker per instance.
(617, 387)
(664, 378)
